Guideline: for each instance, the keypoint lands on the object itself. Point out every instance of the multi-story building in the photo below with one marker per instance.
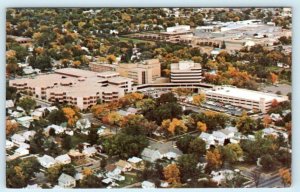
(186, 72)
(75, 86)
(244, 98)
(101, 67)
(143, 72)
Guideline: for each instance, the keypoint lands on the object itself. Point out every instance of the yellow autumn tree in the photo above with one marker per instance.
(199, 99)
(201, 126)
(71, 115)
(111, 58)
(87, 171)
(77, 63)
(174, 125)
(114, 118)
(100, 110)
(172, 174)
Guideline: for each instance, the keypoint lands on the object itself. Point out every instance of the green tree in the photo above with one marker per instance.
(93, 136)
(188, 167)
(90, 181)
(197, 147)
(56, 117)
(27, 104)
(268, 162)
(124, 145)
(232, 152)
(184, 142)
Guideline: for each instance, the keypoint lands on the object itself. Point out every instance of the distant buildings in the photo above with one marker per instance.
(244, 98)
(186, 72)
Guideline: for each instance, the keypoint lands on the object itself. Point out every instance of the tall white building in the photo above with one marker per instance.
(186, 72)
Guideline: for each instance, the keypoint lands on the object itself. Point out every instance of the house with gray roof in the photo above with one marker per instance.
(151, 155)
(66, 181)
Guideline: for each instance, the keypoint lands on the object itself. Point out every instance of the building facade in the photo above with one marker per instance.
(253, 100)
(186, 72)
(75, 86)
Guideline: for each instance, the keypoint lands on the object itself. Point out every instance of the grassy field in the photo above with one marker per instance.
(129, 179)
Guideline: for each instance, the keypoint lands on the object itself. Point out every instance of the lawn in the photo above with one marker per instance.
(129, 180)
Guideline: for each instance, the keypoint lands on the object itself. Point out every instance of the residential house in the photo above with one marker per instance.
(269, 131)
(114, 172)
(83, 124)
(107, 181)
(52, 108)
(63, 159)
(116, 175)
(75, 155)
(66, 181)
(124, 165)
(275, 117)
(132, 110)
(37, 115)
(78, 176)
(25, 121)
(21, 152)
(89, 151)
(46, 161)
(24, 145)
(8, 144)
(34, 186)
(219, 137)
(18, 139)
(28, 135)
(208, 138)
(17, 114)
(151, 155)
(123, 113)
(9, 104)
(221, 176)
(58, 129)
(136, 162)
(147, 185)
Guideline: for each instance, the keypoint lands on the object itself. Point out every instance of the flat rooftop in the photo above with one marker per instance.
(119, 79)
(76, 72)
(44, 80)
(247, 94)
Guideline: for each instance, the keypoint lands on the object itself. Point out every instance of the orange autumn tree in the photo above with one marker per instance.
(71, 115)
(201, 126)
(87, 171)
(174, 125)
(286, 176)
(172, 174)
(11, 127)
(100, 111)
(199, 99)
(214, 159)
(273, 77)
(133, 97)
(267, 120)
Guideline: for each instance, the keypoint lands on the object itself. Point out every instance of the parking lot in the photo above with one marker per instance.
(283, 88)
